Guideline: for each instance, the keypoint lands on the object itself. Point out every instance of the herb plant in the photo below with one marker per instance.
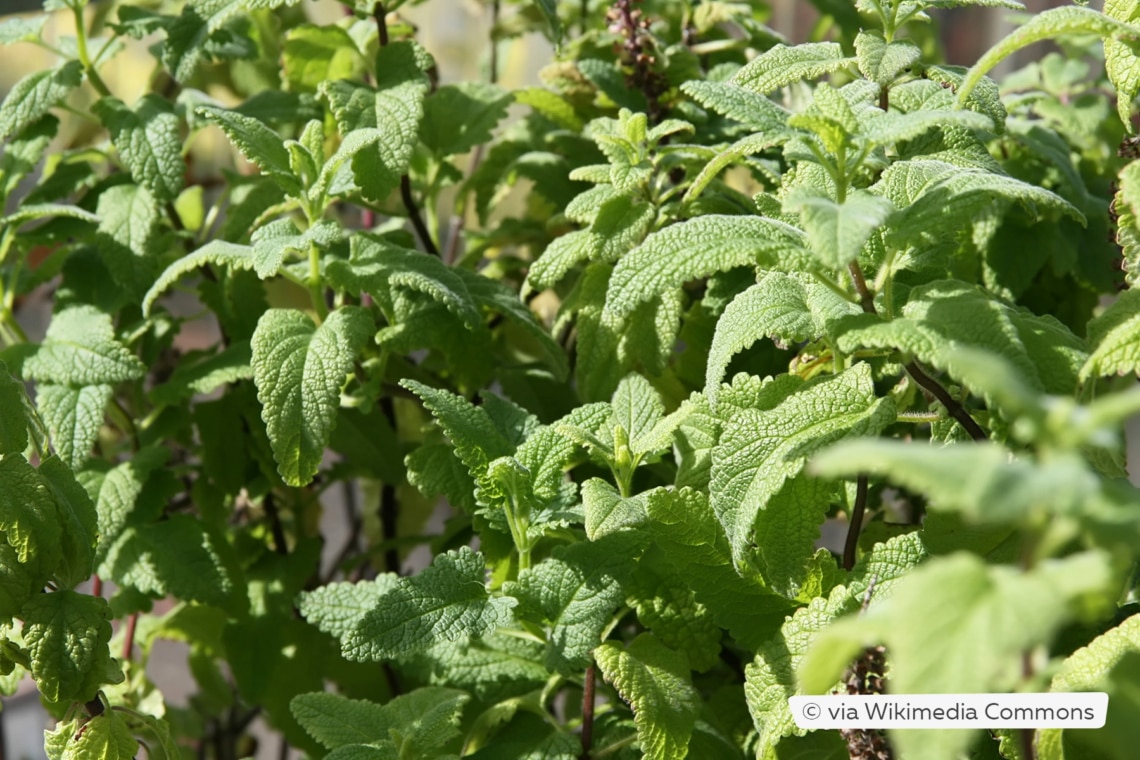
(641, 330)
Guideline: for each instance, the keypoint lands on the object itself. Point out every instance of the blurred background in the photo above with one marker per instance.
(455, 32)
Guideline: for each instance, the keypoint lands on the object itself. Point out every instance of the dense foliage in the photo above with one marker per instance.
(641, 330)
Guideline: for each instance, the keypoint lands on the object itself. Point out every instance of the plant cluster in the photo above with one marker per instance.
(641, 330)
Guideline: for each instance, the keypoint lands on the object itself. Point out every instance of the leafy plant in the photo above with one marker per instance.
(635, 335)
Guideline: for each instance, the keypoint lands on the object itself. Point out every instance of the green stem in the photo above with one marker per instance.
(315, 290)
(81, 45)
(825, 280)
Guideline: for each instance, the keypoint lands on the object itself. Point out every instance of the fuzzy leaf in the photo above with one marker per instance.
(759, 451)
(881, 61)
(782, 65)
(189, 36)
(607, 512)
(66, 634)
(73, 415)
(444, 602)
(218, 252)
(200, 377)
(78, 521)
(573, 594)
(299, 369)
(772, 677)
(1042, 26)
(1115, 338)
(81, 349)
(1121, 62)
(457, 117)
(786, 308)
(337, 608)
(655, 682)
(257, 142)
(950, 628)
(36, 94)
(945, 314)
(698, 248)
(395, 107)
(684, 526)
(731, 100)
(105, 737)
(838, 232)
(148, 141)
(14, 409)
(30, 520)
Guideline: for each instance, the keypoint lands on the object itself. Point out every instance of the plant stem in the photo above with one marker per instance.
(855, 524)
(389, 505)
(315, 292)
(588, 711)
(81, 46)
(280, 545)
(956, 410)
(129, 639)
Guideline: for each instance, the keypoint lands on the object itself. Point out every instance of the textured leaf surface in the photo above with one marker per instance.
(190, 378)
(685, 527)
(73, 416)
(654, 680)
(81, 349)
(607, 512)
(837, 232)
(737, 103)
(35, 95)
(698, 248)
(444, 602)
(957, 625)
(573, 594)
(759, 451)
(258, 143)
(148, 141)
(1121, 62)
(299, 369)
(395, 107)
(29, 520)
(219, 252)
(78, 522)
(66, 634)
(782, 65)
(13, 414)
(337, 608)
(1115, 338)
(105, 737)
(772, 677)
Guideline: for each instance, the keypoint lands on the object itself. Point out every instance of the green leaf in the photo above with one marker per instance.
(738, 103)
(684, 526)
(935, 198)
(189, 36)
(607, 512)
(787, 308)
(36, 94)
(30, 519)
(104, 737)
(772, 677)
(201, 377)
(959, 626)
(549, 10)
(21, 29)
(1121, 62)
(698, 248)
(299, 369)
(948, 313)
(14, 409)
(175, 557)
(444, 602)
(276, 240)
(66, 634)
(376, 265)
(573, 594)
(457, 117)
(148, 142)
(258, 143)
(760, 450)
(655, 681)
(128, 217)
(335, 721)
(1042, 26)
(637, 408)
(217, 252)
(337, 608)
(32, 211)
(782, 65)
(80, 348)
(395, 107)
(1115, 339)
(73, 415)
(1092, 668)
(315, 54)
(78, 521)
(23, 151)
(668, 607)
(838, 232)
(116, 492)
(881, 61)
